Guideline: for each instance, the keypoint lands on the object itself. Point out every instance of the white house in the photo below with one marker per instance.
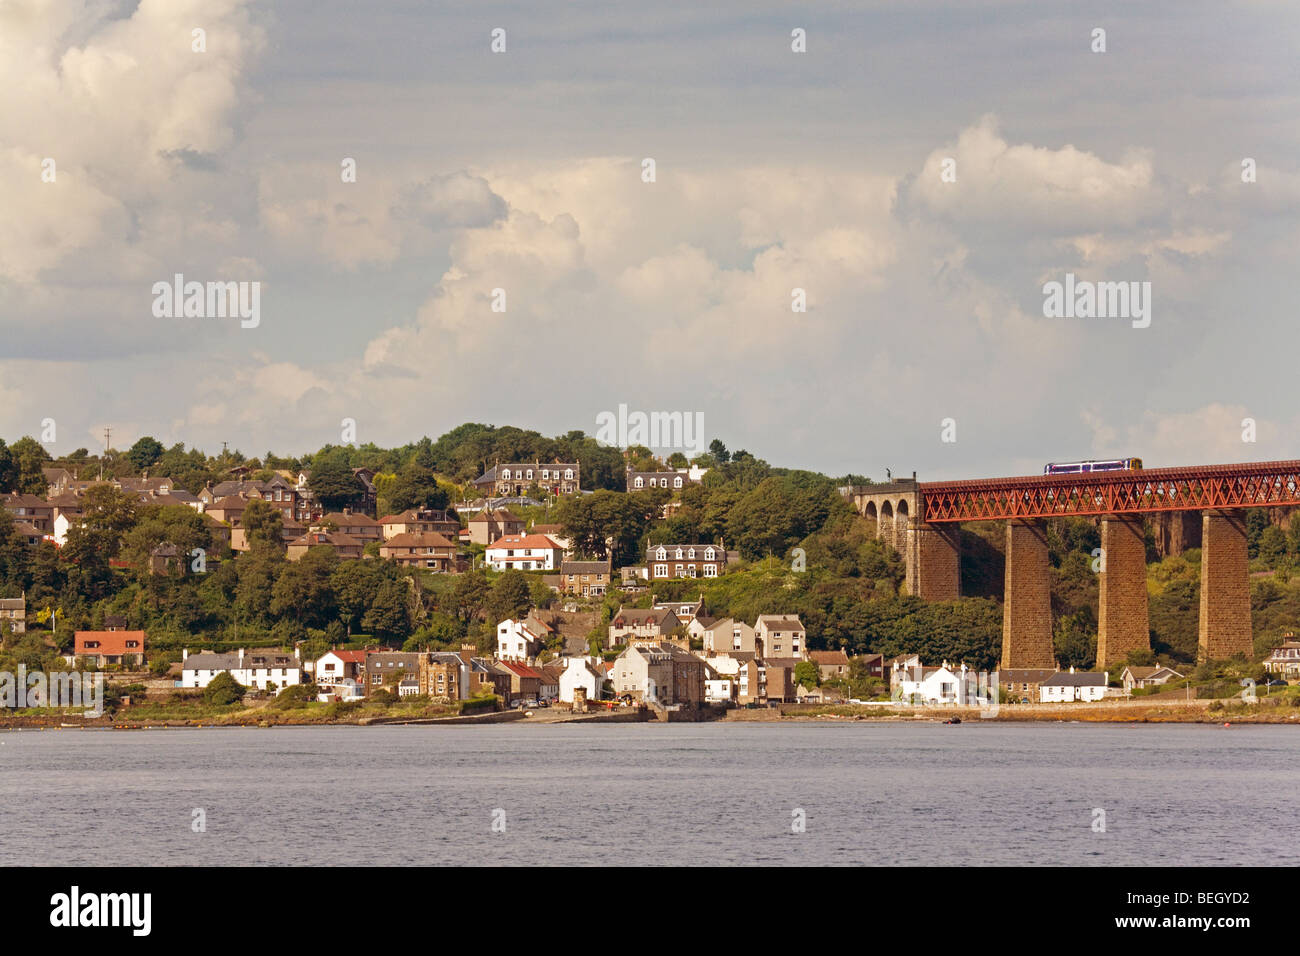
(525, 552)
(720, 691)
(263, 668)
(1146, 677)
(516, 641)
(1071, 686)
(582, 672)
(936, 685)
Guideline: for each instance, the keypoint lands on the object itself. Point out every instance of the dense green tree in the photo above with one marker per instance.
(416, 486)
(510, 596)
(144, 453)
(30, 457)
(223, 690)
(389, 614)
(334, 483)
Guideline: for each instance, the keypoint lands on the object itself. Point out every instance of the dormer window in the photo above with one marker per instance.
(677, 482)
(708, 555)
(679, 553)
(639, 483)
(529, 476)
(506, 473)
(568, 473)
(692, 553)
(663, 553)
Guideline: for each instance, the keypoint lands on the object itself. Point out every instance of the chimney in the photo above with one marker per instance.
(1071, 668)
(241, 657)
(185, 654)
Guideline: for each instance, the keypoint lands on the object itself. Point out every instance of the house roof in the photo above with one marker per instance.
(354, 520)
(348, 657)
(829, 658)
(523, 670)
(418, 539)
(585, 567)
(110, 642)
(1079, 679)
(523, 541)
(1025, 675)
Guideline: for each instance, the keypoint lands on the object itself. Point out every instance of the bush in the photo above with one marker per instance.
(296, 697)
(223, 690)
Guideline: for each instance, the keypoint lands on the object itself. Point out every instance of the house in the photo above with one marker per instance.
(356, 525)
(346, 546)
(875, 666)
(516, 641)
(421, 549)
(659, 672)
(719, 690)
(489, 677)
(831, 664)
(421, 521)
(1284, 661)
(673, 480)
(1132, 677)
(1022, 683)
(486, 526)
(334, 667)
(556, 533)
(686, 611)
(524, 552)
(57, 481)
(729, 636)
(780, 636)
(550, 681)
(585, 578)
(525, 680)
(229, 509)
(387, 668)
(515, 479)
(641, 624)
(766, 680)
(936, 685)
(108, 647)
(35, 511)
(666, 561)
(265, 668)
(1085, 686)
(13, 612)
(444, 674)
(817, 695)
(584, 672)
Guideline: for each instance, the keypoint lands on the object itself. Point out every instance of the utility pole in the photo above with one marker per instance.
(108, 435)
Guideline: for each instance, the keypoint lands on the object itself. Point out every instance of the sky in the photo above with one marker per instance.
(920, 171)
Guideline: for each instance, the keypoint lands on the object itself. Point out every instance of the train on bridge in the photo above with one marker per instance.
(1084, 467)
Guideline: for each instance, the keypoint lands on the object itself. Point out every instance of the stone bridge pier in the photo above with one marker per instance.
(930, 552)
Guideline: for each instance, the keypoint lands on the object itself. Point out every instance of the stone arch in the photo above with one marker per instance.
(870, 512)
(901, 517)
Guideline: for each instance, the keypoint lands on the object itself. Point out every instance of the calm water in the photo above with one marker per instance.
(654, 794)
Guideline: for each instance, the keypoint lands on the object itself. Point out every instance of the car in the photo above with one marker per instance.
(531, 702)
(516, 704)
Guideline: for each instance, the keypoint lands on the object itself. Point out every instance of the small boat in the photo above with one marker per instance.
(953, 720)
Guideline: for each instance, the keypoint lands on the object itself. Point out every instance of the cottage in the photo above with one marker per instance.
(584, 672)
(1136, 677)
(1284, 661)
(831, 664)
(585, 578)
(13, 611)
(1081, 686)
(108, 647)
(262, 668)
(517, 641)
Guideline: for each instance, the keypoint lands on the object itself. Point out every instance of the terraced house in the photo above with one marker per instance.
(515, 479)
(666, 561)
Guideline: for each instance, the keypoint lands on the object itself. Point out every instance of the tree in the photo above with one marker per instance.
(417, 487)
(389, 615)
(30, 457)
(510, 596)
(144, 453)
(808, 674)
(303, 592)
(8, 469)
(223, 690)
(719, 451)
(263, 525)
(1272, 545)
(334, 484)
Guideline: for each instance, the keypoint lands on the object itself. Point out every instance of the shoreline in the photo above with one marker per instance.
(1127, 712)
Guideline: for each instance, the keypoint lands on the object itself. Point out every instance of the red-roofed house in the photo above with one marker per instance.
(334, 667)
(525, 552)
(109, 647)
(525, 681)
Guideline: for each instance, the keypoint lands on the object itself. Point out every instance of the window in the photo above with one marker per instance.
(677, 483)
(679, 553)
(506, 473)
(661, 570)
(568, 473)
(639, 483)
(708, 555)
(710, 570)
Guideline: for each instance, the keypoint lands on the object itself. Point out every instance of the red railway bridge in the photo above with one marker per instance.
(920, 520)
